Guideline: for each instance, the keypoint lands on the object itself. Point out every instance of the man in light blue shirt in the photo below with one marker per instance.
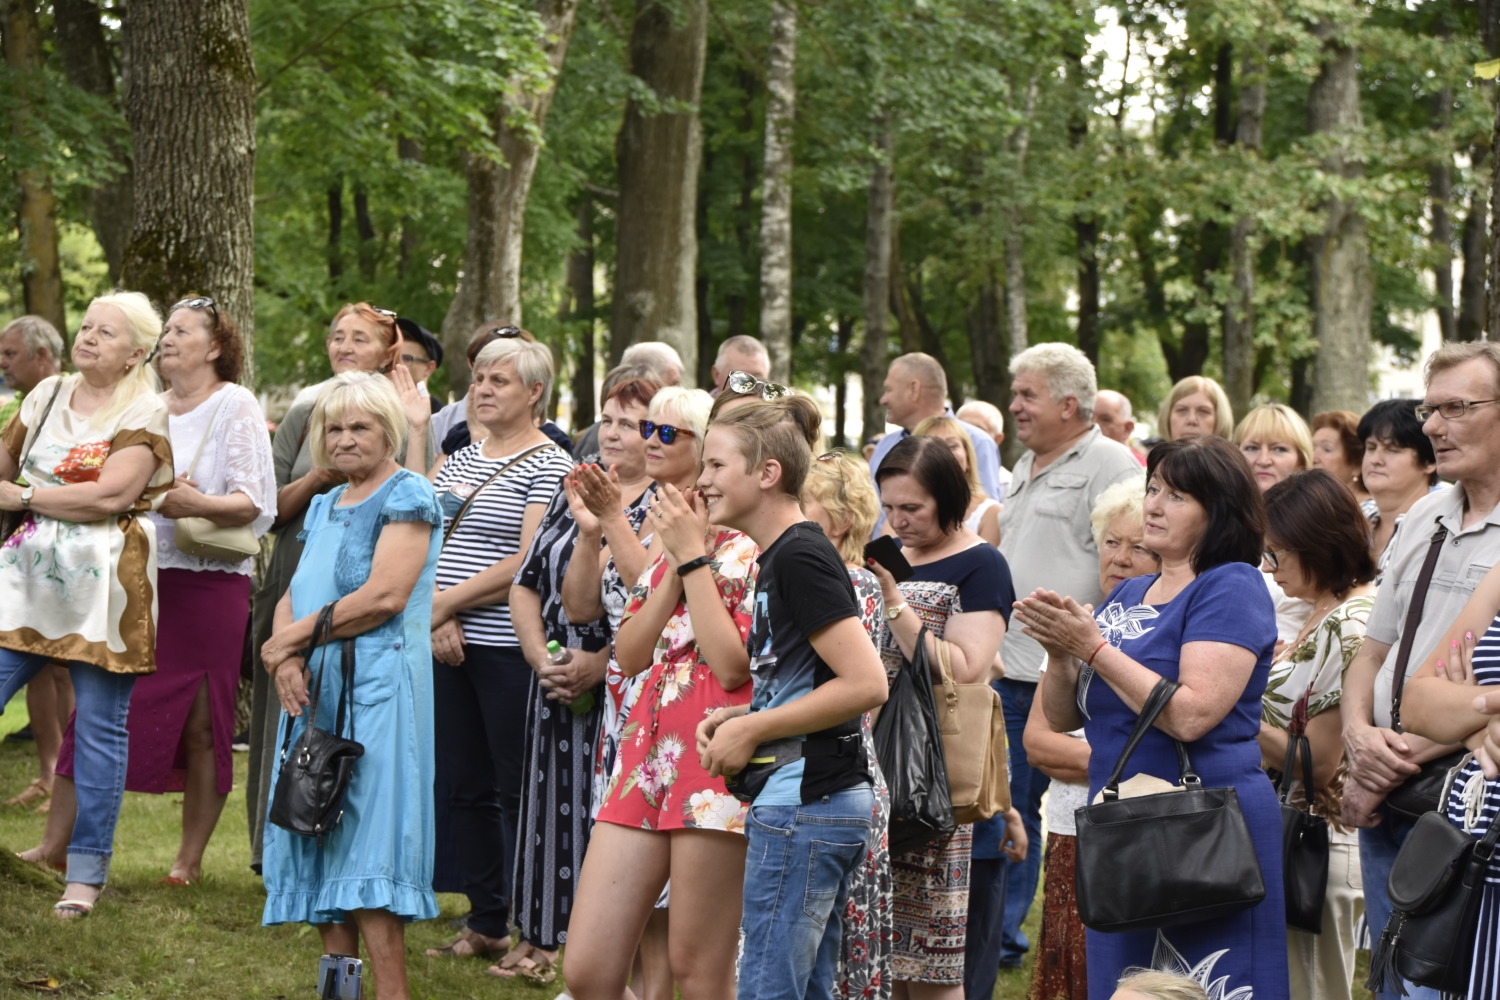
(916, 387)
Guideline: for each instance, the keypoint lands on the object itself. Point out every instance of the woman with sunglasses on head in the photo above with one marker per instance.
(361, 337)
(663, 816)
(494, 493)
(78, 576)
(185, 711)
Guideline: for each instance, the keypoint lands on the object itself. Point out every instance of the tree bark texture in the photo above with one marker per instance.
(776, 196)
(1440, 191)
(1015, 261)
(36, 206)
(86, 59)
(581, 294)
(659, 153)
(490, 285)
(1339, 256)
(1239, 316)
(1471, 284)
(1492, 301)
(875, 354)
(190, 102)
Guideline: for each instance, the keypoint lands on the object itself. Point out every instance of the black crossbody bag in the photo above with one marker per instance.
(315, 773)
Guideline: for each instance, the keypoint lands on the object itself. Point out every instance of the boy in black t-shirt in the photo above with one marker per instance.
(815, 673)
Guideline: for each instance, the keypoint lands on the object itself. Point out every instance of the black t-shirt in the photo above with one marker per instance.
(802, 586)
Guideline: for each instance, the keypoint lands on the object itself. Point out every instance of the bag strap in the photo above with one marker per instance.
(1156, 701)
(1296, 746)
(1413, 619)
(33, 433)
(207, 432)
(453, 524)
(322, 633)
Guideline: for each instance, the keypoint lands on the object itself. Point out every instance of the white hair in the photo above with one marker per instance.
(655, 354)
(689, 408)
(143, 324)
(984, 415)
(740, 343)
(1067, 370)
(533, 363)
(37, 334)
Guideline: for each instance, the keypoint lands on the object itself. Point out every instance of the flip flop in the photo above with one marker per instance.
(31, 793)
(468, 944)
(526, 962)
(174, 881)
(72, 909)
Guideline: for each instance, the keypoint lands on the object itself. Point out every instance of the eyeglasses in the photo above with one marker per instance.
(666, 432)
(1451, 410)
(508, 332)
(744, 384)
(1273, 557)
(837, 455)
(389, 314)
(412, 359)
(197, 302)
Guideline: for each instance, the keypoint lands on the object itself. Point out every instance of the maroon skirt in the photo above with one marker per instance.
(1061, 970)
(200, 636)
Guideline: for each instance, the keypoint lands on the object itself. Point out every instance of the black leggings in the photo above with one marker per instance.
(480, 714)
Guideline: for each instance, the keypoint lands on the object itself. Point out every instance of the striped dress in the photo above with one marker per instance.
(1472, 805)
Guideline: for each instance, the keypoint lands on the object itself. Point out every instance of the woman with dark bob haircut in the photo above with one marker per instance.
(1205, 621)
(1399, 468)
(922, 459)
(1317, 548)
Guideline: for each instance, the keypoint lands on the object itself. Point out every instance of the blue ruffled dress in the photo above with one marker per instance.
(379, 856)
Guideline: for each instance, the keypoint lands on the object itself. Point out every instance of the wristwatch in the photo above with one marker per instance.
(891, 614)
(693, 564)
(26, 495)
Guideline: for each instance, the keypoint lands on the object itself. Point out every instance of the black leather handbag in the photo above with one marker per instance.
(1435, 887)
(1421, 793)
(1175, 857)
(315, 773)
(1304, 845)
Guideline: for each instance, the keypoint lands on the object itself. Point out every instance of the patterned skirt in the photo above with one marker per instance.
(1061, 970)
(555, 823)
(865, 962)
(931, 910)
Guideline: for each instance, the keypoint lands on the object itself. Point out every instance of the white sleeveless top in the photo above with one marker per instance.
(972, 521)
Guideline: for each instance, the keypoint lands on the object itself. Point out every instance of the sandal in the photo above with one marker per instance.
(31, 793)
(526, 962)
(471, 945)
(72, 909)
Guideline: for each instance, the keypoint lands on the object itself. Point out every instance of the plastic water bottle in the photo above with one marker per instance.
(557, 656)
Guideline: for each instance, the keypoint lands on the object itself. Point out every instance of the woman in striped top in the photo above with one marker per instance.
(493, 493)
(1439, 704)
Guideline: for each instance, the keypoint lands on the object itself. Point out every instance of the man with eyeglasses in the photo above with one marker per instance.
(421, 353)
(1460, 415)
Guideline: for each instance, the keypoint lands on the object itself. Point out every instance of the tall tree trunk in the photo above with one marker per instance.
(489, 287)
(842, 331)
(1239, 315)
(411, 151)
(658, 156)
(776, 197)
(875, 354)
(1015, 261)
(190, 101)
(1208, 259)
(86, 59)
(1492, 301)
(1339, 261)
(1085, 228)
(1471, 285)
(581, 293)
(1440, 190)
(908, 331)
(365, 227)
(335, 249)
(36, 208)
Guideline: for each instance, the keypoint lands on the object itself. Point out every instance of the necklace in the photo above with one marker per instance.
(1314, 619)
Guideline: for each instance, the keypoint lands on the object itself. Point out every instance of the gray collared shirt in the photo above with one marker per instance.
(1047, 537)
(1467, 555)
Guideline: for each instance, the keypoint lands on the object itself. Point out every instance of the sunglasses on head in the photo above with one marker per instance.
(389, 314)
(666, 432)
(744, 384)
(197, 302)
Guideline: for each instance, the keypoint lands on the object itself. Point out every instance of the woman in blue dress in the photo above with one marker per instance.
(371, 546)
(1207, 622)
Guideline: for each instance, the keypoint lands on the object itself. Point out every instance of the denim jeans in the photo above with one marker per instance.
(1027, 784)
(986, 921)
(480, 710)
(797, 874)
(1378, 847)
(101, 747)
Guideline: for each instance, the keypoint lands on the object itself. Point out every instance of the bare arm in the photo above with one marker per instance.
(973, 637)
(989, 526)
(1057, 755)
(526, 619)
(1323, 732)
(293, 498)
(728, 737)
(635, 642)
(1058, 693)
(719, 639)
(1434, 706)
(121, 481)
(490, 585)
(184, 499)
(581, 599)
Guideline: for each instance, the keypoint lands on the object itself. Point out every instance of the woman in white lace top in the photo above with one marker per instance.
(181, 718)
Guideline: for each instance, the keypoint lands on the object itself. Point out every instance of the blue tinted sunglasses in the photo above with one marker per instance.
(668, 433)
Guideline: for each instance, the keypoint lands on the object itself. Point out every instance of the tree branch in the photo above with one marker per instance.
(314, 46)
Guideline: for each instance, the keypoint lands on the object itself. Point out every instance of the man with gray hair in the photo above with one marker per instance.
(988, 418)
(30, 350)
(657, 355)
(739, 353)
(1116, 419)
(1046, 537)
(916, 387)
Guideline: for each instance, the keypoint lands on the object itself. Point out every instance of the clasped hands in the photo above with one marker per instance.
(726, 740)
(1062, 625)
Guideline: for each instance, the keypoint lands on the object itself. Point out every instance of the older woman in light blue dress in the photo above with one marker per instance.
(372, 546)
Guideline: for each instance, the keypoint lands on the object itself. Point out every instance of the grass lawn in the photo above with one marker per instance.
(152, 941)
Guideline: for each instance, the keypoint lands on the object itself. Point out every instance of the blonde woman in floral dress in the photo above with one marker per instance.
(663, 816)
(1317, 549)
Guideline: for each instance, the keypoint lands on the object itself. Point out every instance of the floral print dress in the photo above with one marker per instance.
(657, 782)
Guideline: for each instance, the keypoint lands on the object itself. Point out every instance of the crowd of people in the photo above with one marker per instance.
(619, 688)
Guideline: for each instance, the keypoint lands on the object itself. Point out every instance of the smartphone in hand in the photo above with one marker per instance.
(887, 552)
